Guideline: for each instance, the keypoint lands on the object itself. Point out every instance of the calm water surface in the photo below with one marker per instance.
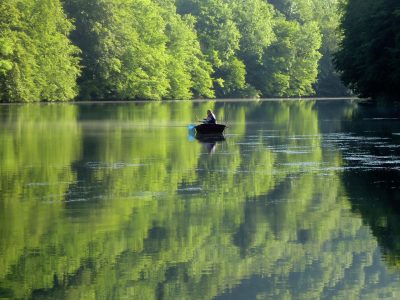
(300, 200)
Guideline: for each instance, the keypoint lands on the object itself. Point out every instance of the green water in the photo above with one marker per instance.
(120, 201)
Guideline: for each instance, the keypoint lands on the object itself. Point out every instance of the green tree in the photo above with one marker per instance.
(138, 49)
(37, 60)
(255, 20)
(220, 38)
(327, 15)
(368, 58)
(290, 64)
(124, 48)
(188, 70)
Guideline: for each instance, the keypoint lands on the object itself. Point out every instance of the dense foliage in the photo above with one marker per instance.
(166, 49)
(138, 49)
(369, 57)
(37, 60)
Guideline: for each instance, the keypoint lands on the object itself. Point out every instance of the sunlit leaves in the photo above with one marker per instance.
(140, 49)
(161, 49)
(290, 63)
(255, 21)
(37, 60)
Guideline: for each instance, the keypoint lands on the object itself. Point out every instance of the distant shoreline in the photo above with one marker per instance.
(192, 100)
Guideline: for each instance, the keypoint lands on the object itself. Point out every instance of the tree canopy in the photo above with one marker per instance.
(369, 54)
(56, 50)
(37, 60)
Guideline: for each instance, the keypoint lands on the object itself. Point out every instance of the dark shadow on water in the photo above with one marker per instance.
(374, 190)
(375, 196)
(210, 141)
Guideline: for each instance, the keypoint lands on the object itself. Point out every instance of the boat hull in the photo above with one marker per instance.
(210, 138)
(210, 128)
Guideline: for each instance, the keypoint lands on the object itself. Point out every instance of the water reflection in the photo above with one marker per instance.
(114, 201)
(210, 141)
(374, 186)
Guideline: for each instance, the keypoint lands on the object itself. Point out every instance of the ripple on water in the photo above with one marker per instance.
(292, 151)
(389, 146)
(350, 137)
(311, 137)
(373, 158)
(190, 190)
(37, 184)
(145, 194)
(380, 119)
(301, 163)
(249, 143)
(117, 165)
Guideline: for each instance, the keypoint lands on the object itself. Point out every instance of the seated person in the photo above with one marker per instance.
(210, 118)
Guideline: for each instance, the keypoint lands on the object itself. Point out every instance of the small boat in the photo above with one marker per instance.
(210, 128)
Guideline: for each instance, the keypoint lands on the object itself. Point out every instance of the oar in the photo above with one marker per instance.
(198, 120)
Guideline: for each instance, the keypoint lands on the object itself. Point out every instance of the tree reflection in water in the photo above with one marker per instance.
(113, 201)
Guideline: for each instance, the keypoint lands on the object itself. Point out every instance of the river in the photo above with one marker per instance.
(299, 200)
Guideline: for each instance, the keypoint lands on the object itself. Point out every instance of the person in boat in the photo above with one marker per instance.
(211, 119)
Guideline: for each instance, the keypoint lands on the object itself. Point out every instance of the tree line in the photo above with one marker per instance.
(58, 50)
(369, 55)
